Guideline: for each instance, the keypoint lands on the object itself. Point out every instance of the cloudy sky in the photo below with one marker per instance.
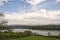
(31, 12)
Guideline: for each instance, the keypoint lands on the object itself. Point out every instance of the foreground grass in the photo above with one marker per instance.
(35, 38)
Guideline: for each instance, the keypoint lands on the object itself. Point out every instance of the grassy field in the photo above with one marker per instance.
(35, 38)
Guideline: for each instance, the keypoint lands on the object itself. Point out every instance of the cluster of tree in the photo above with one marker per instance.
(41, 27)
(10, 34)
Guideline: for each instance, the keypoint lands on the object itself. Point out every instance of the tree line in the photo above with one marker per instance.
(40, 27)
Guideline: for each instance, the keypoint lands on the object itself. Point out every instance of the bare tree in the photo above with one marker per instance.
(2, 19)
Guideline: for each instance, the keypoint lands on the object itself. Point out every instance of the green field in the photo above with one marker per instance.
(35, 38)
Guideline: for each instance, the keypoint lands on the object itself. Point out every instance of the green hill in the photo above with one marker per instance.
(36, 38)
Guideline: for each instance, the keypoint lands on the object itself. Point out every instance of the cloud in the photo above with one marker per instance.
(35, 2)
(58, 0)
(54, 14)
(4, 1)
(37, 17)
(34, 18)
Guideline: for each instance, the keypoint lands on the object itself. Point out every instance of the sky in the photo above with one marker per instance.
(31, 12)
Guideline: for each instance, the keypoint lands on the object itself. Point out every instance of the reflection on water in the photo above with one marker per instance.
(39, 32)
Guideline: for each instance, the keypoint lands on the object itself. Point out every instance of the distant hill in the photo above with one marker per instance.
(39, 27)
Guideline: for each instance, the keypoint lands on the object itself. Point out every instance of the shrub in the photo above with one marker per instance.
(27, 33)
(49, 34)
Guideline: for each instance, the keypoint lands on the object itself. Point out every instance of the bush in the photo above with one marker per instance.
(10, 34)
(49, 34)
(27, 33)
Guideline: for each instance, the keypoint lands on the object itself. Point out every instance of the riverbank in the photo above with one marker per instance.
(39, 32)
(27, 34)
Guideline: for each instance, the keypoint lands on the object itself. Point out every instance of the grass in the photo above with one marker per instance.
(35, 38)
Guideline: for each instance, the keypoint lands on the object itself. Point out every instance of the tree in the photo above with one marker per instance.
(49, 34)
(59, 35)
(2, 19)
(27, 33)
